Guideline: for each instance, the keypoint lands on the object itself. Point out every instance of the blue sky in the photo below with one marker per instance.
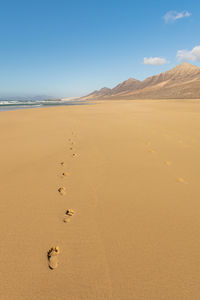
(69, 48)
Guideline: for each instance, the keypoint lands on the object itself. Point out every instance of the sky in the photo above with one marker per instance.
(65, 48)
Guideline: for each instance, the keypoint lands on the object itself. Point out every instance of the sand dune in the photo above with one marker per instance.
(133, 184)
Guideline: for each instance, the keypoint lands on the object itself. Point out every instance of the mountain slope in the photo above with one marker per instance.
(129, 85)
(183, 81)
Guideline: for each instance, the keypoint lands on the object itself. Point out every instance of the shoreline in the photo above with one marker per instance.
(24, 105)
(89, 102)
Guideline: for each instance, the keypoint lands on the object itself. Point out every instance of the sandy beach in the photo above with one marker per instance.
(129, 170)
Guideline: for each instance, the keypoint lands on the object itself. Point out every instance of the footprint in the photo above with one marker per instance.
(74, 154)
(62, 191)
(71, 148)
(66, 219)
(181, 180)
(52, 256)
(168, 163)
(151, 150)
(64, 174)
(62, 163)
(69, 213)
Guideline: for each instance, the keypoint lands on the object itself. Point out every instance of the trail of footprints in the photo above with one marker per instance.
(167, 163)
(53, 252)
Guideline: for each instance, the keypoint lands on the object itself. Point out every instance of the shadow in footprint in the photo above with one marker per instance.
(69, 213)
(62, 191)
(64, 174)
(52, 256)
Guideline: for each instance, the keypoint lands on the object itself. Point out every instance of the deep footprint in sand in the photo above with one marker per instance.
(64, 174)
(62, 191)
(69, 213)
(52, 256)
(62, 163)
(74, 154)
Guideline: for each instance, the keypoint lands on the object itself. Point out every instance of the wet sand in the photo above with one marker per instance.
(125, 177)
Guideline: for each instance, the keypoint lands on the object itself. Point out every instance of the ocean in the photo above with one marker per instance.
(21, 104)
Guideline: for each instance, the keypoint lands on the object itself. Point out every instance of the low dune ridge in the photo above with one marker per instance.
(132, 199)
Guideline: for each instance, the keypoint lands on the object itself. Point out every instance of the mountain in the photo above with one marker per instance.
(181, 82)
(129, 85)
(100, 93)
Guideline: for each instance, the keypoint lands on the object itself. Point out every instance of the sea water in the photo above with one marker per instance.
(19, 104)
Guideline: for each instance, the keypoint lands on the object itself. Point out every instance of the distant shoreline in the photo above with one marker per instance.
(15, 105)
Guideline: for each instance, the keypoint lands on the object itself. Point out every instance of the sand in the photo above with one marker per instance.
(132, 179)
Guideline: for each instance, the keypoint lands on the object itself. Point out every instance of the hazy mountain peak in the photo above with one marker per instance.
(104, 89)
(99, 93)
(131, 79)
(186, 68)
(129, 84)
(186, 65)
